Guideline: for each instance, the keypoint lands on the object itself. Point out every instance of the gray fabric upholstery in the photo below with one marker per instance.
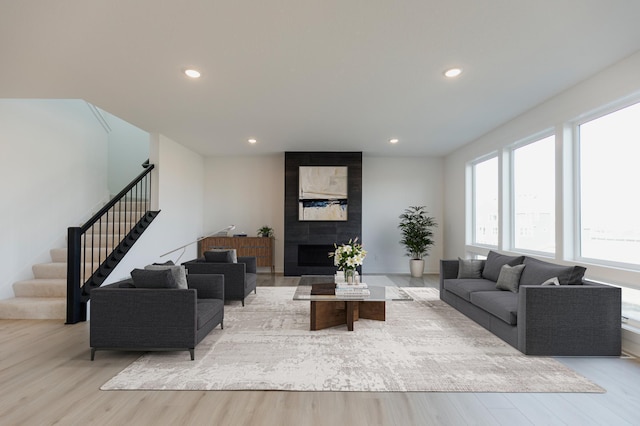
(145, 319)
(537, 271)
(576, 320)
(178, 272)
(153, 279)
(495, 262)
(219, 256)
(240, 278)
(509, 278)
(463, 287)
(470, 268)
(502, 304)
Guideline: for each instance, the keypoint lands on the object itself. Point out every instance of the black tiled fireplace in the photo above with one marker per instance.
(307, 243)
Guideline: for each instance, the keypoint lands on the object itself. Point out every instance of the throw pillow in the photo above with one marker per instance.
(218, 256)
(551, 281)
(153, 279)
(234, 253)
(470, 268)
(509, 278)
(538, 271)
(494, 263)
(179, 273)
(167, 263)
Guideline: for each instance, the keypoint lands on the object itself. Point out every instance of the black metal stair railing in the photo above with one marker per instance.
(95, 248)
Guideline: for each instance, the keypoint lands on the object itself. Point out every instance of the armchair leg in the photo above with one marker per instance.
(222, 325)
(255, 290)
(243, 303)
(93, 353)
(192, 352)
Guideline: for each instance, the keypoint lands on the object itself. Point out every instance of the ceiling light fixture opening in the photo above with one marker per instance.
(394, 141)
(252, 141)
(453, 72)
(192, 73)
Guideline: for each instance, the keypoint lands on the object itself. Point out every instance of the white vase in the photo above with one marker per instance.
(417, 267)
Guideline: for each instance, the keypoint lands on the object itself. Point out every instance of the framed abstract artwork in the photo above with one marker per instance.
(322, 193)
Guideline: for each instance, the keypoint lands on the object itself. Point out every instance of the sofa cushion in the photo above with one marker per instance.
(219, 256)
(464, 287)
(501, 304)
(509, 278)
(143, 278)
(470, 268)
(207, 309)
(179, 273)
(537, 271)
(495, 262)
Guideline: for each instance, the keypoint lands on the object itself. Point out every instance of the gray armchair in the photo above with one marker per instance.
(155, 319)
(239, 278)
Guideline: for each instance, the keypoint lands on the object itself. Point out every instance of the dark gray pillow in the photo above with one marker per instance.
(179, 273)
(153, 279)
(167, 263)
(495, 262)
(509, 278)
(539, 271)
(470, 268)
(218, 256)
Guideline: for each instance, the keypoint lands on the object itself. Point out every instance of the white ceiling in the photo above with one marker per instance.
(302, 75)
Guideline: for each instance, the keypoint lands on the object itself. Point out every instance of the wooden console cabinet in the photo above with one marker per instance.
(260, 247)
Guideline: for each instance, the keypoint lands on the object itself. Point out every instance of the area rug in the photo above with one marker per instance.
(423, 346)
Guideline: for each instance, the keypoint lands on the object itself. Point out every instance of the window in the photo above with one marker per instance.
(534, 196)
(609, 174)
(485, 202)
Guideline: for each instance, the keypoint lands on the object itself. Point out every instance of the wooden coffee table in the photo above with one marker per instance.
(329, 310)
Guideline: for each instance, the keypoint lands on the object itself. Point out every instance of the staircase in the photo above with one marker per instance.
(45, 296)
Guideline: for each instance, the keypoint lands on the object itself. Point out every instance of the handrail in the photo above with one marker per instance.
(91, 257)
(88, 224)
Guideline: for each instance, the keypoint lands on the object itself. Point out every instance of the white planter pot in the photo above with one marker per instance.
(417, 267)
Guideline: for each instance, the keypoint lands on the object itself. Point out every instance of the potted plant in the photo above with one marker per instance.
(265, 231)
(417, 236)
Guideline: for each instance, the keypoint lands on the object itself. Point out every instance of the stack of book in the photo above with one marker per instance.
(359, 290)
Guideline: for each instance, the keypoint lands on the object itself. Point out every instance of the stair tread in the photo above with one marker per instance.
(33, 308)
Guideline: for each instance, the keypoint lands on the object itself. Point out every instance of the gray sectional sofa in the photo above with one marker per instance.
(156, 317)
(574, 318)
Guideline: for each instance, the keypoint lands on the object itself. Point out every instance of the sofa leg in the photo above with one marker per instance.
(93, 353)
(193, 354)
(221, 325)
(243, 303)
(255, 290)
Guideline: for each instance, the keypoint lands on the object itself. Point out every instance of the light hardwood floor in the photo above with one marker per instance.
(46, 378)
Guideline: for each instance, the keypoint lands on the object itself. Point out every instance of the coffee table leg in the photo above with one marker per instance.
(350, 314)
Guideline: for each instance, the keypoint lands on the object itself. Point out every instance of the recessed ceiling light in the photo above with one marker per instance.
(453, 72)
(252, 141)
(394, 141)
(192, 73)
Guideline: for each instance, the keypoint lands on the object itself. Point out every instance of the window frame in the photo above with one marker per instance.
(472, 165)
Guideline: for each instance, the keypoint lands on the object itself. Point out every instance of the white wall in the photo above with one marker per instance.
(178, 187)
(53, 174)
(389, 186)
(609, 86)
(128, 149)
(249, 192)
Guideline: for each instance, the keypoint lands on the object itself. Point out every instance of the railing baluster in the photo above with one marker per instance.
(79, 283)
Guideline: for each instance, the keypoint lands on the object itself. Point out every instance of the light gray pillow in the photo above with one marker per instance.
(179, 273)
(551, 281)
(509, 278)
(494, 263)
(470, 268)
(143, 278)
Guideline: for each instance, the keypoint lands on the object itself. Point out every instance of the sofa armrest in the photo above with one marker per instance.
(251, 262)
(569, 320)
(143, 318)
(448, 270)
(209, 286)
